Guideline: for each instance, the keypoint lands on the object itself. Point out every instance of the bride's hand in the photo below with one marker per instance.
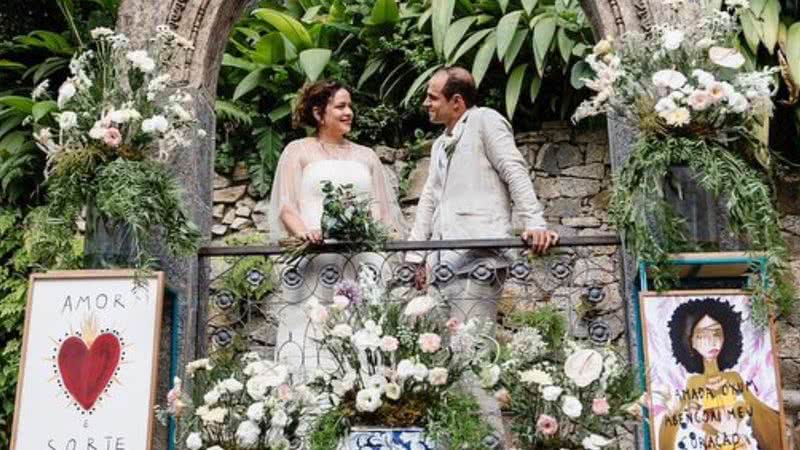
(313, 236)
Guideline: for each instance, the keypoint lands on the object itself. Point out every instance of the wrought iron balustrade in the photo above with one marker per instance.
(250, 298)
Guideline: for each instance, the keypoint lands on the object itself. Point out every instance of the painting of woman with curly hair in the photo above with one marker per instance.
(712, 375)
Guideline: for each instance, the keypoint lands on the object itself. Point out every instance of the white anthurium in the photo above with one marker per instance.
(595, 442)
(726, 57)
(668, 78)
(584, 367)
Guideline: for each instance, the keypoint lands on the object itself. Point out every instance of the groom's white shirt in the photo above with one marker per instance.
(473, 192)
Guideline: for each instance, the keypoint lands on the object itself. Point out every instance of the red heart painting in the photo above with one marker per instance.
(87, 371)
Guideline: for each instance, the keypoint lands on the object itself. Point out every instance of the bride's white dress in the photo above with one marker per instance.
(303, 166)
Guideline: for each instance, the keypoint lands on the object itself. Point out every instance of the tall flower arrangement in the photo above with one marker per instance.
(117, 123)
(695, 100)
(562, 395)
(392, 362)
(244, 403)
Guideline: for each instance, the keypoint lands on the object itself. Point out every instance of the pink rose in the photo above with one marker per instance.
(284, 392)
(112, 137)
(547, 425)
(429, 342)
(454, 325)
(438, 376)
(600, 407)
(389, 344)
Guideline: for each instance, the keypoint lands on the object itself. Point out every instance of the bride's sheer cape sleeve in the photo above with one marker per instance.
(385, 206)
(286, 185)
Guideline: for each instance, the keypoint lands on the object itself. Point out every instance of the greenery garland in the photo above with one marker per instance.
(652, 230)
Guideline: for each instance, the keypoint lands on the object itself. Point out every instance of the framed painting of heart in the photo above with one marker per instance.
(89, 361)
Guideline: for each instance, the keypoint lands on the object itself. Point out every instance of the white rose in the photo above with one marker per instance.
(67, 120)
(65, 93)
(155, 124)
(571, 406)
(489, 376)
(232, 385)
(255, 412)
(247, 434)
(699, 100)
(405, 369)
(666, 104)
(726, 57)
(438, 376)
(584, 367)
(536, 376)
(551, 393)
(420, 372)
(279, 419)
(595, 442)
(376, 382)
(738, 102)
(368, 400)
(194, 441)
(342, 330)
(668, 79)
(419, 306)
(703, 77)
(212, 397)
(392, 391)
(672, 39)
(677, 118)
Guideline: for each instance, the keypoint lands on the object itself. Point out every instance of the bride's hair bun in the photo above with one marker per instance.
(314, 95)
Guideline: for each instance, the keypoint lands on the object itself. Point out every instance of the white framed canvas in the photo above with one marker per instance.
(713, 377)
(87, 377)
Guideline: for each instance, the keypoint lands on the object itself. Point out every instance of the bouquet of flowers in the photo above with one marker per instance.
(687, 78)
(696, 101)
(247, 404)
(562, 395)
(114, 124)
(346, 217)
(393, 361)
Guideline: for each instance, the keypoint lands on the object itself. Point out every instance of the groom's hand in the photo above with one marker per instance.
(540, 240)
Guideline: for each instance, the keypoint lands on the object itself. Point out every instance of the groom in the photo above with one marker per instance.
(477, 179)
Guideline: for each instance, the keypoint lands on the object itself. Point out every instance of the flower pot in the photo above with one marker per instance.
(369, 438)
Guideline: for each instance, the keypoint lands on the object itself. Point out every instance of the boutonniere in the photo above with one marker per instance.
(450, 148)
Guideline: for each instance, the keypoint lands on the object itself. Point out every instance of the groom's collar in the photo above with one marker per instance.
(458, 128)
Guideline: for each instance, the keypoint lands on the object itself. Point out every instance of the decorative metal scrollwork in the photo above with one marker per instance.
(224, 300)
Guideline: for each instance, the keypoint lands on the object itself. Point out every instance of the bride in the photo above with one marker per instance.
(296, 210)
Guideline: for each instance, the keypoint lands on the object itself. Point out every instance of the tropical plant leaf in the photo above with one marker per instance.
(290, 27)
(513, 88)
(536, 85)
(542, 38)
(372, 66)
(484, 58)
(514, 48)
(750, 28)
(469, 43)
(579, 71)
(418, 82)
(270, 49)
(229, 60)
(41, 109)
(23, 104)
(769, 26)
(248, 83)
(441, 15)
(229, 111)
(506, 29)
(313, 62)
(528, 6)
(793, 51)
(384, 12)
(456, 33)
(565, 45)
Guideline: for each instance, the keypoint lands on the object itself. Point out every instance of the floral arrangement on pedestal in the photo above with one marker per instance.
(393, 364)
(116, 123)
(695, 99)
(563, 394)
(244, 403)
